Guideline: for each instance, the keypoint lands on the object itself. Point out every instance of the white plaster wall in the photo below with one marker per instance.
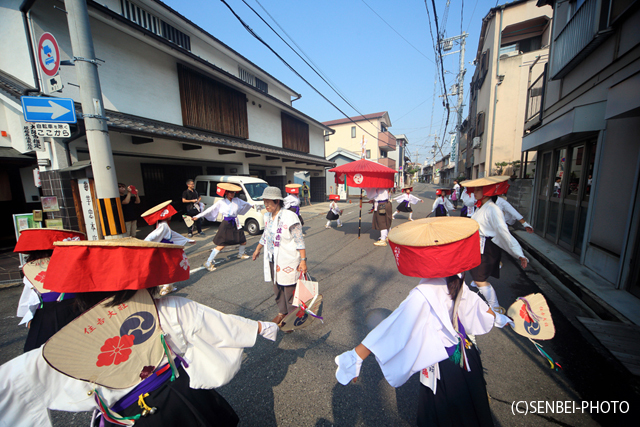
(11, 120)
(264, 122)
(14, 47)
(316, 141)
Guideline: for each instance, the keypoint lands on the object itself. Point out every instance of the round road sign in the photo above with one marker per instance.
(49, 54)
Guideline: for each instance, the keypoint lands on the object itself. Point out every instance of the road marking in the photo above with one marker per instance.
(195, 270)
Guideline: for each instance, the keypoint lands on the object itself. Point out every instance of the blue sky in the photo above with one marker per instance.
(375, 67)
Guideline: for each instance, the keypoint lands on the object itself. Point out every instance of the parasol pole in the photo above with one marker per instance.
(360, 217)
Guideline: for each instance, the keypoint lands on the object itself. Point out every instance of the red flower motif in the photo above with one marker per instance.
(40, 276)
(115, 350)
(525, 314)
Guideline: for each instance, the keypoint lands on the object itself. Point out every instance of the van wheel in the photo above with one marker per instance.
(252, 227)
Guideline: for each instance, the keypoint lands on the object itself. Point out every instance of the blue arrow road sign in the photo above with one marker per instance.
(48, 110)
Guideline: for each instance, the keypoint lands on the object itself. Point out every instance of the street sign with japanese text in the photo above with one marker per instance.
(32, 141)
(88, 212)
(48, 110)
(53, 130)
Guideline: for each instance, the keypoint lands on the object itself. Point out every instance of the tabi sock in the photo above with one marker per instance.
(383, 234)
(339, 222)
(213, 254)
(490, 295)
(241, 250)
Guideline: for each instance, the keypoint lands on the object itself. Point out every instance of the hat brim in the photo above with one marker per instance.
(42, 239)
(156, 208)
(482, 182)
(227, 186)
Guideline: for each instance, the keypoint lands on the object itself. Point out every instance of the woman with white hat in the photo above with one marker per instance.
(161, 215)
(286, 257)
(428, 332)
(44, 312)
(406, 199)
(129, 356)
(494, 235)
(292, 201)
(230, 231)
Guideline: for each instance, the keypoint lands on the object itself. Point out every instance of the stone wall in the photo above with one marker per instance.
(520, 195)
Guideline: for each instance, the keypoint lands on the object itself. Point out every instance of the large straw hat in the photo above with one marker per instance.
(407, 187)
(292, 188)
(227, 186)
(159, 212)
(293, 185)
(41, 239)
(436, 247)
(114, 265)
(493, 185)
(272, 193)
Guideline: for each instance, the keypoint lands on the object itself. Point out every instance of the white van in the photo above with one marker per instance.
(252, 188)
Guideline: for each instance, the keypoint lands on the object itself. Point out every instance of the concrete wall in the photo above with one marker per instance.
(342, 138)
(14, 48)
(520, 196)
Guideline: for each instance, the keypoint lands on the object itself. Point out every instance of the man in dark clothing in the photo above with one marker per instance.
(127, 199)
(191, 199)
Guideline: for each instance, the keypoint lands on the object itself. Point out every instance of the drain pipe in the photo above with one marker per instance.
(24, 8)
(495, 94)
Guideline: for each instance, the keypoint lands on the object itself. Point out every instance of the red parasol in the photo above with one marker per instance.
(364, 173)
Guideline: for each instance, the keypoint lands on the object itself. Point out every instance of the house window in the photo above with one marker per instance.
(368, 154)
(383, 127)
(326, 135)
(249, 78)
(353, 131)
(154, 24)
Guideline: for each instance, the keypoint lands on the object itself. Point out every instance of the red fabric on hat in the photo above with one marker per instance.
(492, 190)
(438, 261)
(162, 215)
(292, 190)
(220, 191)
(334, 197)
(114, 268)
(41, 239)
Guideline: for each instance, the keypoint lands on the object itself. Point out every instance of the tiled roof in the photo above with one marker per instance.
(142, 126)
(355, 119)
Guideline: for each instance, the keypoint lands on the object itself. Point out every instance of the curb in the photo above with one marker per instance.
(591, 300)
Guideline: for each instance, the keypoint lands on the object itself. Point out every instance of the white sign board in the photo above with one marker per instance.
(54, 130)
(54, 83)
(87, 209)
(32, 141)
(36, 178)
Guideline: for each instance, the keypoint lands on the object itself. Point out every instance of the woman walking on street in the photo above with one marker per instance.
(292, 201)
(334, 213)
(382, 212)
(230, 232)
(442, 205)
(494, 235)
(286, 258)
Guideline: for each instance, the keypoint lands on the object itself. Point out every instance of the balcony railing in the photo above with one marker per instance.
(535, 94)
(581, 35)
(386, 141)
(385, 161)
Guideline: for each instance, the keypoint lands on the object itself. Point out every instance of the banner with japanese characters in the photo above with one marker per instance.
(88, 212)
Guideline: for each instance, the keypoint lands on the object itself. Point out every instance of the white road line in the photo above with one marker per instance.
(195, 270)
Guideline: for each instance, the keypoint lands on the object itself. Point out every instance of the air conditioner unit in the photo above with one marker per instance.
(477, 142)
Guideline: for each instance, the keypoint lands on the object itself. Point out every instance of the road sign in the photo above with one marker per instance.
(48, 110)
(49, 54)
(54, 83)
(53, 130)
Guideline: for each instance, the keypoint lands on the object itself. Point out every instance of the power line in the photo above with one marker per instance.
(291, 68)
(417, 50)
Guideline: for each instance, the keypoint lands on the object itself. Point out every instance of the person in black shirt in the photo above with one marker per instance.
(128, 198)
(191, 199)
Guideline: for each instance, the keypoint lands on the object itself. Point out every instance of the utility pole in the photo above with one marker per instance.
(86, 64)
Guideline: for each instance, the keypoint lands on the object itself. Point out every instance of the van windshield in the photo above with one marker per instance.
(255, 189)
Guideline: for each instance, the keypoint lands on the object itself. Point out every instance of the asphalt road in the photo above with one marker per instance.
(291, 382)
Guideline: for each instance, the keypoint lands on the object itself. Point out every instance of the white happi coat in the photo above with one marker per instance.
(285, 256)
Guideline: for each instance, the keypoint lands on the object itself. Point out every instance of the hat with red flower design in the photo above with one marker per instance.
(114, 265)
(532, 318)
(161, 212)
(41, 239)
(436, 247)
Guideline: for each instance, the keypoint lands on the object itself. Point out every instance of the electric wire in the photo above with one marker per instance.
(254, 34)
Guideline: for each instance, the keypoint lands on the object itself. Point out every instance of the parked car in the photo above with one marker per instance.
(252, 188)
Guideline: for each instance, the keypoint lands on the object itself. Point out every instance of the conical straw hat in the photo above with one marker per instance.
(116, 347)
(227, 186)
(293, 185)
(481, 182)
(436, 247)
(156, 208)
(42, 239)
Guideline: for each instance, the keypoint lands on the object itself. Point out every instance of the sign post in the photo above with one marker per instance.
(48, 54)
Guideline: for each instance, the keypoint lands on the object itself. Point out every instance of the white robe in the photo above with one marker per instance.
(163, 231)
(492, 224)
(416, 334)
(28, 304)
(469, 201)
(511, 215)
(225, 207)
(408, 197)
(286, 257)
(291, 200)
(444, 202)
(211, 342)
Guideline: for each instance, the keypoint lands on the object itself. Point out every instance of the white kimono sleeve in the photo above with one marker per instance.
(211, 213)
(243, 207)
(408, 340)
(503, 237)
(28, 304)
(473, 313)
(211, 342)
